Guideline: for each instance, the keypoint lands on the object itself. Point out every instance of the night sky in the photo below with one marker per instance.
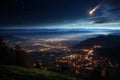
(42, 13)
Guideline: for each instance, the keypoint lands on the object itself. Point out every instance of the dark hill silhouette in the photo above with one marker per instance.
(110, 49)
(109, 41)
(110, 46)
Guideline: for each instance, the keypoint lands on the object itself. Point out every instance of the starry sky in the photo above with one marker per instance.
(59, 13)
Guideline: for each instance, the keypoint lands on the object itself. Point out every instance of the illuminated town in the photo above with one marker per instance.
(78, 59)
(87, 61)
(44, 45)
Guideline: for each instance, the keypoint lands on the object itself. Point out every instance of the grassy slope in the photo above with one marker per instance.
(19, 73)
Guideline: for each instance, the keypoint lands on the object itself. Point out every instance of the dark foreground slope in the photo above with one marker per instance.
(20, 73)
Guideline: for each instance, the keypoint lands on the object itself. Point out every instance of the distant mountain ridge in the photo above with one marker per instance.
(108, 41)
(110, 46)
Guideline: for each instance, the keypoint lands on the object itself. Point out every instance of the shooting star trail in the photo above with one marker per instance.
(91, 12)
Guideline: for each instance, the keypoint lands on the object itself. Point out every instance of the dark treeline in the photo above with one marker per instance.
(13, 56)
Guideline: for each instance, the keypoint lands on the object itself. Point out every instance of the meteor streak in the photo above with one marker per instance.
(91, 12)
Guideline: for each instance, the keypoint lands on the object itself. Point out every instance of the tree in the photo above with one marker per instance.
(13, 56)
(22, 59)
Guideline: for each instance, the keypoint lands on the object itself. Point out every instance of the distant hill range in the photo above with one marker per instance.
(109, 41)
(110, 46)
